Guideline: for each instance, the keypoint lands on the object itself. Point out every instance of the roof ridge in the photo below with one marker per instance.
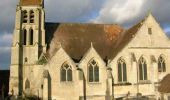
(81, 23)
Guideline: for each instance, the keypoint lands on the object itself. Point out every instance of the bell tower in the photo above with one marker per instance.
(28, 42)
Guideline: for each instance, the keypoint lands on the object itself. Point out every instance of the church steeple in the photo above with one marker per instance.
(28, 41)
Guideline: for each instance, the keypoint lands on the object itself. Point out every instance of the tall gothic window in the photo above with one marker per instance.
(24, 36)
(66, 72)
(142, 69)
(25, 16)
(31, 16)
(161, 64)
(27, 84)
(31, 36)
(93, 70)
(122, 74)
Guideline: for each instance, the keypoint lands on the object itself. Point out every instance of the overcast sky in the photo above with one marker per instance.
(123, 12)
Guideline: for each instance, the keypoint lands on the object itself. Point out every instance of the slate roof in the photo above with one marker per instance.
(165, 85)
(75, 38)
(30, 2)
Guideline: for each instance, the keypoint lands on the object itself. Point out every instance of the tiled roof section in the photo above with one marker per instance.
(30, 2)
(164, 85)
(75, 38)
(126, 38)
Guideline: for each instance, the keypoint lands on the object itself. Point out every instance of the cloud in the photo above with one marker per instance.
(167, 30)
(129, 12)
(72, 10)
(119, 12)
(5, 58)
(5, 43)
(5, 39)
(5, 53)
(7, 16)
(124, 12)
(5, 49)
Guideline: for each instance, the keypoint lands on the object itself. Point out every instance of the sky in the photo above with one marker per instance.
(123, 12)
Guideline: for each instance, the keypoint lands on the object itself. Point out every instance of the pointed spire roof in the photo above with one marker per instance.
(31, 2)
(149, 15)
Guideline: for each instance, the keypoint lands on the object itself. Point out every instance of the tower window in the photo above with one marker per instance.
(93, 71)
(31, 36)
(122, 74)
(25, 16)
(149, 31)
(142, 69)
(26, 59)
(66, 72)
(24, 36)
(161, 64)
(27, 84)
(31, 16)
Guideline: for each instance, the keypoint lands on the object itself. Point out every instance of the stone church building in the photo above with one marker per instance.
(80, 61)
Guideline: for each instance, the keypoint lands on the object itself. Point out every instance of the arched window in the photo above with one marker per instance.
(27, 84)
(26, 59)
(122, 74)
(161, 64)
(25, 16)
(24, 36)
(66, 72)
(93, 71)
(142, 69)
(31, 16)
(31, 36)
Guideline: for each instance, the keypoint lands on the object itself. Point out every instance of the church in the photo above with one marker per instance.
(82, 61)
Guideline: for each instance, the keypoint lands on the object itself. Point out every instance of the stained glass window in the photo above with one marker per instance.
(122, 74)
(66, 72)
(93, 71)
(161, 64)
(142, 69)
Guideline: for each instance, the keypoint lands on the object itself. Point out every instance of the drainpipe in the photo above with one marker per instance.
(84, 83)
(111, 76)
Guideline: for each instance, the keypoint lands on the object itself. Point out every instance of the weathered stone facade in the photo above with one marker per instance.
(140, 59)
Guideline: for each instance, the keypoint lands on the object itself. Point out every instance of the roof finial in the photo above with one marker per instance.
(60, 45)
(149, 12)
(92, 44)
